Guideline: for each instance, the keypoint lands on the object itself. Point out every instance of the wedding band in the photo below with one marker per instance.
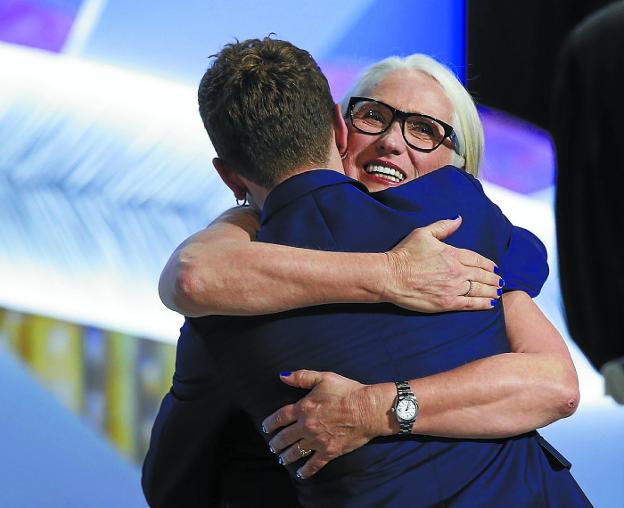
(467, 293)
(302, 451)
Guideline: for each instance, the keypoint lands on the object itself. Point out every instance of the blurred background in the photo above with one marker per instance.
(105, 168)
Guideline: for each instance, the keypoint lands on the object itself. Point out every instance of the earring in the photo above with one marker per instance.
(344, 155)
(242, 202)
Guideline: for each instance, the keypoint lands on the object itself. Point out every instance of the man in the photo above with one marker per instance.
(268, 124)
(195, 418)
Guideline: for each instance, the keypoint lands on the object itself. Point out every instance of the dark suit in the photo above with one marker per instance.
(377, 343)
(204, 451)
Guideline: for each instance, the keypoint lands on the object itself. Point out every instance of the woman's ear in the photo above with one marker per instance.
(231, 178)
(340, 129)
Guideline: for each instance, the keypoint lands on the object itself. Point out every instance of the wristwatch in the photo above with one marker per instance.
(405, 408)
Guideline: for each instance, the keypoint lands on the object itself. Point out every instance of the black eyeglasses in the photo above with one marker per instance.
(422, 132)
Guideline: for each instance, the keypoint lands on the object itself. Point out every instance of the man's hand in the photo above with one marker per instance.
(336, 417)
(428, 275)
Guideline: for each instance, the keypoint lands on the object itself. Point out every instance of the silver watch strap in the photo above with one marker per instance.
(404, 390)
(405, 428)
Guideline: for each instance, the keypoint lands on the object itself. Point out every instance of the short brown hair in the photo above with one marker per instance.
(267, 108)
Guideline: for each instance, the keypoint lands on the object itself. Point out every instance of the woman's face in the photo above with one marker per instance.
(414, 92)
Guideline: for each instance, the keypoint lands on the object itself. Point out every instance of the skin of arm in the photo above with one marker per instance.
(499, 396)
(221, 270)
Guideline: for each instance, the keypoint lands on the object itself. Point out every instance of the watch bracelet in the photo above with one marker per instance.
(403, 390)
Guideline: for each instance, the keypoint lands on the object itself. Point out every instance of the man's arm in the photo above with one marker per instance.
(221, 270)
(202, 448)
(182, 466)
(499, 396)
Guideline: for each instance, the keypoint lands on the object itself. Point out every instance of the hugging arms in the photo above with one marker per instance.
(486, 383)
(221, 270)
(498, 396)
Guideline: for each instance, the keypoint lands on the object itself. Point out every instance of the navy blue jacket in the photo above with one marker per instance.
(379, 343)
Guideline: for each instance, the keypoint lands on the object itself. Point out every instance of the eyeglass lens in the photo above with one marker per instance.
(420, 131)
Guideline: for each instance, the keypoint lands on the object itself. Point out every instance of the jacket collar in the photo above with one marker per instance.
(301, 184)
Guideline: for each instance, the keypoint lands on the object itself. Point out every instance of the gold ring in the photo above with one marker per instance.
(467, 293)
(302, 451)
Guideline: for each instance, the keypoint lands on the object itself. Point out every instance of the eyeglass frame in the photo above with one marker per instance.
(449, 131)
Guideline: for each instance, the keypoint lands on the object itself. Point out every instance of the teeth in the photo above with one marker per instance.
(390, 173)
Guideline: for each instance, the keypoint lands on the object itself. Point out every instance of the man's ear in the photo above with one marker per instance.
(340, 129)
(231, 178)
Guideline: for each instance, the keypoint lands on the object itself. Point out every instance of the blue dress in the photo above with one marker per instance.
(380, 343)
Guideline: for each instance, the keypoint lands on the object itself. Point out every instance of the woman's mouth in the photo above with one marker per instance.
(385, 172)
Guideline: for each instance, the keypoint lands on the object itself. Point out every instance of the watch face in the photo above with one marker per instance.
(406, 409)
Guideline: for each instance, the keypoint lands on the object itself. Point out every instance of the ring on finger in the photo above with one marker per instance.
(467, 293)
(304, 452)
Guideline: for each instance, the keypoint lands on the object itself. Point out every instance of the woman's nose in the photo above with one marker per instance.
(392, 140)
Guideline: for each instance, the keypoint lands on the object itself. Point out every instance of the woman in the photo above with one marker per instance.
(390, 157)
(194, 287)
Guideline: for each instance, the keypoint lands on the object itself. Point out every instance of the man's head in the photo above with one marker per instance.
(268, 110)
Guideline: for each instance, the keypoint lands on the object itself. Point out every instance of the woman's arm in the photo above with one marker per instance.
(221, 270)
(500, 396)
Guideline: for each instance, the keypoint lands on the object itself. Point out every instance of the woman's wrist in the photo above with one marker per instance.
(387, 286)
(356, 278)
(379, 275)
(379, 400)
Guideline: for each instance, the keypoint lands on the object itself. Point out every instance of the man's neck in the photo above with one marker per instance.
(259, 194)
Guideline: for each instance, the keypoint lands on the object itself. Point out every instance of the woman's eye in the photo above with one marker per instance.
(371, 114)
(419, 127)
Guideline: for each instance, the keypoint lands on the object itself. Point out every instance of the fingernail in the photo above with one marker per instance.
(263, 428)
(271, 449)
(493, 302)
(299, 475)
(499, 292)
(497, 270)
(501, 282)
(455, 218)
(285, 373)
(280, 460)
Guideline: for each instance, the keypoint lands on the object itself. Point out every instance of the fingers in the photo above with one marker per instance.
(478, 296)
(312, 466)
(474, 295)
(473, 289)
(478, 303)
(484, 274)
(307, 379)
(295, 452)
(285, 438)
(286, 415)
(485, 278)
(470, 258)
(299, 451)
(444, 228)
(282, 417)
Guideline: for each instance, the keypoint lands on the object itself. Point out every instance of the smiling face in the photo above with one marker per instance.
(385, 160)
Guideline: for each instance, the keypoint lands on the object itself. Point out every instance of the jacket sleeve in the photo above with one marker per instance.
(524, 263)
(180, 468)
(522, 256)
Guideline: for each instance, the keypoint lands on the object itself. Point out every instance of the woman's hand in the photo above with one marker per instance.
(494, 397)
(336, 417)
(428, 275)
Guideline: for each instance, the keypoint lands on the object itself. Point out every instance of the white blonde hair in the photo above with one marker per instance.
(466, 121)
